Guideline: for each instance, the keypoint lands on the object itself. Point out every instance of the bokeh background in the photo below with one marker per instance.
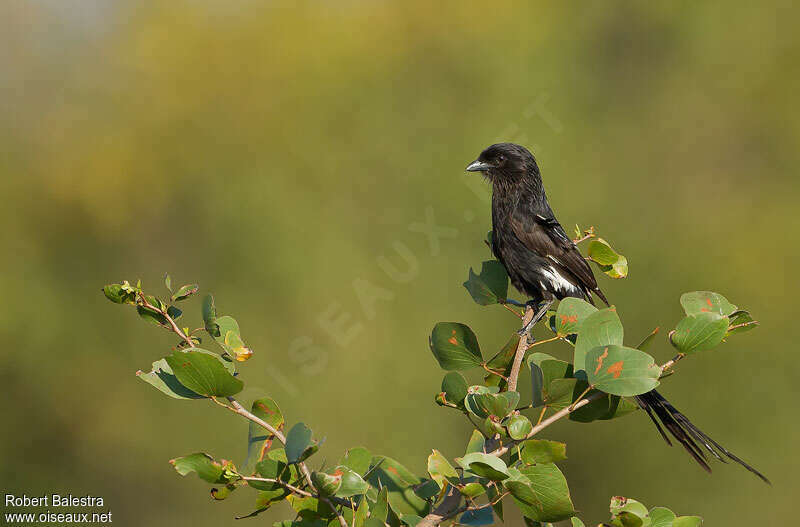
(279, 153)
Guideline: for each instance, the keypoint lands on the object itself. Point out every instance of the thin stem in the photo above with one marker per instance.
(545, 341)
(550, 420)
(581, 396)
(493, 372)
(670, 363)
(541, 415)
(448, 508)
(236, 407)
(516, 313)
(522, 347)
(742, 325)
(283, 484)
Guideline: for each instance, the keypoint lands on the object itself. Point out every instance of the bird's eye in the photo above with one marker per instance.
(501, 158)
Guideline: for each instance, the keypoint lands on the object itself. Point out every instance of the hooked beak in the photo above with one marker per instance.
(478, 166)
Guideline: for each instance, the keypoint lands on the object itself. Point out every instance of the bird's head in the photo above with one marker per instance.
(505, 163)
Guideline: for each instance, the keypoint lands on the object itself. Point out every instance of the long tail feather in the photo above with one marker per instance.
(666, 416)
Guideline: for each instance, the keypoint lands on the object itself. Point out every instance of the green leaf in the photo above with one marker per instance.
(598, 329)
(299, 443)
(571, 313)
(497, 404)
(410, 519)
(601, 252)
(493, 495)
(544, 370)
(455, 346)
(441, 470)
(551, 490)
(229, 338)
(154, 317)
(203, 372)
(688, 521)
(471, 400)
(185, 292)
(626, 506)
(742, 319)
(698, 302)
(473, 489)
(477, 517)
(174, 313)
(427, 489)
(502, 361)
(661, 517)
(604, 408)
(518, 427)
(621, 371)
(210, 316)
(699, 332)
(168, 281)
(577, 522)
(162, 378)
(644, 345)
(536, 451)
(120, 293)
(454, 388)
(381, 507)
(489, 287)
(357, 459)
(205, 466)
(236, 347)
(523, 494)
(326, 484)
(484, 465)
(400, 482)
(610, 262)
(476, 442)
(258, 439)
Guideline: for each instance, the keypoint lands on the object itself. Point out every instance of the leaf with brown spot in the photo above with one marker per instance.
(259, 440)
(455, 346)
(697, 302)
(621, 371)
(570, 314)
(699, 332)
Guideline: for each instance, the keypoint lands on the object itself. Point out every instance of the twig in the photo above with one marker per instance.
(522, 347)
(444, 511)
(588, 234)
(545, 341)
(517, 314)
(670, 363)
(283, 484)
(493, 372)
(550, 420)
(742, 325)
(237, 408)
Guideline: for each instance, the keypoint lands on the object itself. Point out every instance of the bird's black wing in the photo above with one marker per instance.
(543, 235)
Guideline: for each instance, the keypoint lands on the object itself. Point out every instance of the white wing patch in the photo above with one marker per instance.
(557, 282)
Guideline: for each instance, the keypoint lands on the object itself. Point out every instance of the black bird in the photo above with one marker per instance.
(544, 264)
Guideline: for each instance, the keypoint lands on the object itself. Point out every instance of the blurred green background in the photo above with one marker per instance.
(279, 153)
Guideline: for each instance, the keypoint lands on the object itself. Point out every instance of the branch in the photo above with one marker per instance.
(237, 408)
(522, 347)
(444, 511)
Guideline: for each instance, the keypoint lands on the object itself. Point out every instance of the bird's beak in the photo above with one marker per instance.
(478, 166)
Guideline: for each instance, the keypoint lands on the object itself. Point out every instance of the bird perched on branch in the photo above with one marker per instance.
(543, 263)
